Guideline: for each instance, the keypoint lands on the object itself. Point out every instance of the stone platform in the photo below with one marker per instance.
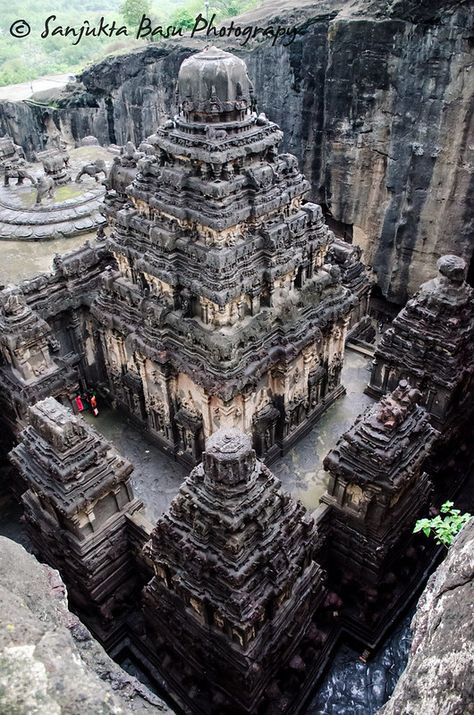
(74, 210)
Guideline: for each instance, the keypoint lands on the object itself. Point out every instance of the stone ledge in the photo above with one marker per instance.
(49, 662)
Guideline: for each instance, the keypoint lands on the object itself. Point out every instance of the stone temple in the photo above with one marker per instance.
(223, 310)
(215, 314)
(235, 584)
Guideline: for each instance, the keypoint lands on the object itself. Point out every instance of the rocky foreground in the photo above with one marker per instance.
(438, 677)
(49, 662)
(51, 665)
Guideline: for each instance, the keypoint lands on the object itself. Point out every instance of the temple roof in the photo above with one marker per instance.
(231, 535)
(431, 338)
(214, 82)
(386, 443)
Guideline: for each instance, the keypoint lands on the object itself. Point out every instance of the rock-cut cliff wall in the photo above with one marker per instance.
(438, 677)
(375, 99)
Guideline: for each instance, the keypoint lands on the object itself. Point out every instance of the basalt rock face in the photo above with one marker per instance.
(49, 662)
(438, 677)
(374, 100)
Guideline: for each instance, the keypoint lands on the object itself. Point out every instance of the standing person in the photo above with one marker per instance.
(93, 404)
(79, 403)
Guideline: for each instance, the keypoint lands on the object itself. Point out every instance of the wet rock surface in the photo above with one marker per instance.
(49, 662)
(24, 259)
(157, 476)
(373, 99)
(352, 687)
(438, 677)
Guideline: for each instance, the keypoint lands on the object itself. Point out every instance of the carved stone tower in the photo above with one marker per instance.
(235, 586)
(30, 367)
(431, 344)
(377, 489)
(224, 310)
(76, 506)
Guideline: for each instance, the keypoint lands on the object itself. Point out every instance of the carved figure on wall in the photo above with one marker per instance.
(13, 301)
(335, 370)
(213, 133)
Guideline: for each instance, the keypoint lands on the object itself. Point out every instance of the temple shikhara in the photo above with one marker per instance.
(223, 309)
(237, 617)
(214, 314)
(78, 495)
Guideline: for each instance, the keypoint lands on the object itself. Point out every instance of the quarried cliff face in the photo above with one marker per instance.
(49, 662)
(438, 676)
(374, 99)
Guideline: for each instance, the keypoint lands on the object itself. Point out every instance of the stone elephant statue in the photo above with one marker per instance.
(93, 169)
(18, 171)
(213, 133)
(44, 187)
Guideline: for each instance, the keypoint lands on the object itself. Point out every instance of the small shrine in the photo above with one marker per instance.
(430, 343)
(30, 367)
(235, 587)
(78, 496)
(377, 490)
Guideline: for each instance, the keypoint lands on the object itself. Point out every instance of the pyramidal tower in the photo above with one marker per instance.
(235, 587)
(223, 311)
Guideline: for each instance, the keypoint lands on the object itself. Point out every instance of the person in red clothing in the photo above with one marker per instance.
(93, 404)
(79, 403)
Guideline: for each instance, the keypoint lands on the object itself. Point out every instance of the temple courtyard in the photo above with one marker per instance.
(157, 476)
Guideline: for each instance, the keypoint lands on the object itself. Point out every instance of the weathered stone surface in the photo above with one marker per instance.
(374, 99)
(30, 369)
(78, 500)
(376, 490)
(431, 343)
(49, 662)
(224, 309)
(438, 677)
(234, 590)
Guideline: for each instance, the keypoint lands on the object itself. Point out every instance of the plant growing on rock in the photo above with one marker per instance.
(444, 527)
